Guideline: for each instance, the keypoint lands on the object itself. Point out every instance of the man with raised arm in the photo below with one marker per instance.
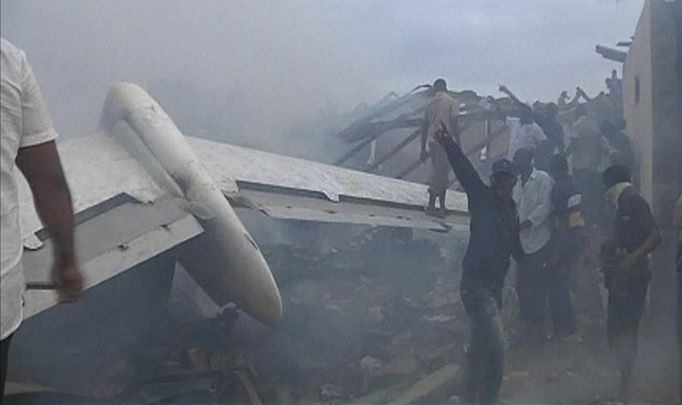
(494, 229)
(28, 142)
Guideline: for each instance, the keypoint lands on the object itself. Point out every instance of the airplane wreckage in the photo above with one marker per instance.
(149, 199)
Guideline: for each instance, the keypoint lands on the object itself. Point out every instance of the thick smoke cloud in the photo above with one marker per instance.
(265, 67)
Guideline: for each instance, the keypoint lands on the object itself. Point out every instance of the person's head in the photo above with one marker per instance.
(558, 166)
(440, 85)
(526, 115)
(614, 74)
(615, 174)
(523, 160)
(551, 110)
(503, 178)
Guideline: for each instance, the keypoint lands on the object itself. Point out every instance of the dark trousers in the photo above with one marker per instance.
(484, 364)
(4, 350)
(531, 288)
(625, 309)
(560, 304)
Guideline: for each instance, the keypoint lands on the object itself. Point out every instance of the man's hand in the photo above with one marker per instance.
(68, 280)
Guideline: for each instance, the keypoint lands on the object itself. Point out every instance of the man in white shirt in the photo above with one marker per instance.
(533, 197)
(28, 143)
(440, 115)
(524, 132)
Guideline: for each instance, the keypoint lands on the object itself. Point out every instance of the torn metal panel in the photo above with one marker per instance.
(281, 205)
(97, 169)
(113, 242)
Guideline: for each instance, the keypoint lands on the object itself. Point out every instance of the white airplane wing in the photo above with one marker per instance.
(290, 188)
(139, 189)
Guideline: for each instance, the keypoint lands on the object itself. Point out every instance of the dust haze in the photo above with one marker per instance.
(256, 73)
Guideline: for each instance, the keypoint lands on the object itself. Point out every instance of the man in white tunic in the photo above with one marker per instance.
(440, 115)
(28, 142)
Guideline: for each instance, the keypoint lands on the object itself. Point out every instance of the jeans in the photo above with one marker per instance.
(560, 304)
(484, 365)
(624, 313)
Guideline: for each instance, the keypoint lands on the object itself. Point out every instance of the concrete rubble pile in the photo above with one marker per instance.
(380, 314)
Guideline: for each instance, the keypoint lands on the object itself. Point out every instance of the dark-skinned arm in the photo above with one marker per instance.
(466, 173)
(511, 95)
(424, 137)
(653, 240)
(42, 168)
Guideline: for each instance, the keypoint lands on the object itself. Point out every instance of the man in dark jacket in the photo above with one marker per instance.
(494, 229)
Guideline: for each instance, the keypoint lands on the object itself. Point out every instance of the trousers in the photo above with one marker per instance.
(532, 281)
(484, 364)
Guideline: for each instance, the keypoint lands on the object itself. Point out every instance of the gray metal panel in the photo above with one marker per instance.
(97, 169)
(286, 206)
(224, 161)
(113, 242)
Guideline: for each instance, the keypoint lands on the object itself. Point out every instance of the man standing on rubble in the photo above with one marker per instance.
(533, 197)
(440, 113)
(28, 142)
(494, 237)
(626, 266)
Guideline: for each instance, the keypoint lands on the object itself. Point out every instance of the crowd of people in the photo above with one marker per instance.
(542, 203)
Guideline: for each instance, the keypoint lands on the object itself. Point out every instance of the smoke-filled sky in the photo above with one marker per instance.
(274, 63)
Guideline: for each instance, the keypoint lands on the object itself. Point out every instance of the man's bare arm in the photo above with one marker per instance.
(424, 137)
(511, 95)
(42, 168)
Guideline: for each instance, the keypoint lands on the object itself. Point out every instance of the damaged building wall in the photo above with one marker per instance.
(652, 102)
(651, 90)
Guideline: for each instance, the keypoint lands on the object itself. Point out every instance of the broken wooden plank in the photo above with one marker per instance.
(432, 384)
(245, 393)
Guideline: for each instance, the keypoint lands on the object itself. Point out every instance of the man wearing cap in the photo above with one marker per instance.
(626, 265)
(441, 113)
(494, 229)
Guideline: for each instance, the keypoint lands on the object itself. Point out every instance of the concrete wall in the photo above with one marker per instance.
(653, 111)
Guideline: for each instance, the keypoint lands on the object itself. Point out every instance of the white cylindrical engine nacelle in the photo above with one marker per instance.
(229, 266)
